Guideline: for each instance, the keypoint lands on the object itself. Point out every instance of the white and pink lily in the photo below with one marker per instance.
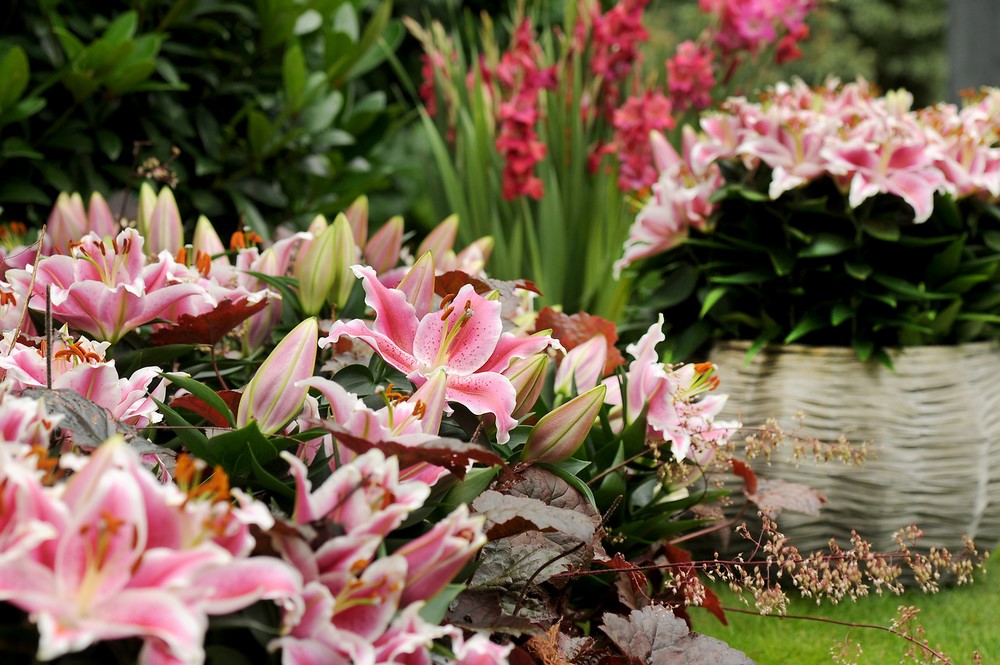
(464, 340)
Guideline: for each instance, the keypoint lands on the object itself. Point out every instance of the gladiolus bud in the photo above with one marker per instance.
(436, 557)
(560, 432)
(582, 365)
(165, 230)
(527, 375)
(357, 217)
(441, 239)
(343, 258)
(382, 251)
(418, 284)
(272, 397)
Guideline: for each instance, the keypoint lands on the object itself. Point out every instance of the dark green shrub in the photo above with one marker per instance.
(263, 101)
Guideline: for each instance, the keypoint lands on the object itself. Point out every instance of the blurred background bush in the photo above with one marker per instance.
(281, 109)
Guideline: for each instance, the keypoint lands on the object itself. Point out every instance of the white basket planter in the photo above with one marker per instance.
(934, 423)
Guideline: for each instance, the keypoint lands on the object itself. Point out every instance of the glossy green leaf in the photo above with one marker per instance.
(293, 71)
(204, 393)
(827, 244)
(711, 299)
(14, 73)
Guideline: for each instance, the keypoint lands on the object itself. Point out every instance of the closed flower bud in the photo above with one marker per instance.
(344, 256)
(357, 217)
(582, 366)
(316, 271)
(165, 231)
(527, 375)
(271, 399)
(441, 239)
(382, 251)
(560, 432)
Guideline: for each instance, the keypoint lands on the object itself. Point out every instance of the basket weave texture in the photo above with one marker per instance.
(934, 423)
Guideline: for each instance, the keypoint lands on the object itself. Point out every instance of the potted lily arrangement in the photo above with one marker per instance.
(850, 243)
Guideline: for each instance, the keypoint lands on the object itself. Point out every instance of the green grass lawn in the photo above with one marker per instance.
(959, 620)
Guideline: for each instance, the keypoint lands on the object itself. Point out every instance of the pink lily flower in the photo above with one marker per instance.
(582, 366)
(437, 556)
(80, 366)
(100, 578)
(105, 291)
(465, 340)
(889, 167)
(678, 408)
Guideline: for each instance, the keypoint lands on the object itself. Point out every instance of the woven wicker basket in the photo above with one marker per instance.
(934, 421)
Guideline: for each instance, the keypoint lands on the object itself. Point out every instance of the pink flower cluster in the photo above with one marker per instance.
(633, 122)
(691, 77)
(615, 38)
(679, 409)
(751, 25)
(867, 144)
(112, 553)
(521, 80)
(360, 607)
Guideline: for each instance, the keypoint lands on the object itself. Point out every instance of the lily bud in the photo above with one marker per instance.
(343, 257)
(165, 230)
(418, 284)
(560, 432)
(260, 324)
(316, 271)
(272, 399)
(147, 202)
(67, 221)
(583, 365)
(473, 258)
(357, 217)
(441, 239)
(207, 240)
(99, 217)
(382, 251)
(527, 375)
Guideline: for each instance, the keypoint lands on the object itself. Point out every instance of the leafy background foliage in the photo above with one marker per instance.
(264, 101)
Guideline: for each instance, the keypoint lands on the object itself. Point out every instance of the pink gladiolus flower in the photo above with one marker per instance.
(691, 77)
(633, 123)
(465, 340)
(80, 366)
(437, 556)
(105, 290)
(103, 575)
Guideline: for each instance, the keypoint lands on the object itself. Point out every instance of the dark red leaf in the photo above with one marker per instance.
(451, 454)
(207, 328)
(744, 471)
(453, 280)
(714, 605)
(573, 330)
(634, 596)
(199, 406)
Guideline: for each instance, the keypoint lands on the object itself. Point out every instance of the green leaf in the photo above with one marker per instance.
(678, 287)
(945, 263)
(436, 608)
(266, 479)
(827, 244)
(18, 147)
(110, 143)
(204, 393)
(782, 260)
(238, 450)
(992, 240)
(748, 277)
(320, 115)
(944, 320)
(908, 289)
(571, 479)
(293, 73)
(711, 299)
(864, 348)
(475, 483)
(357, 379)
(964, 283)
(191, 437)
(14, 73)
(809, 323)
(839, 314)
(881, 229)
(259, 132)
(23, 109)
(122, 28)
